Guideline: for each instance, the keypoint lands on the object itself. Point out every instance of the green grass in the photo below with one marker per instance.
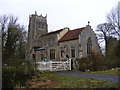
(115, 71)
(66, 81)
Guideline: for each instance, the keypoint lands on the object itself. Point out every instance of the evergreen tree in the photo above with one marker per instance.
(13, 39)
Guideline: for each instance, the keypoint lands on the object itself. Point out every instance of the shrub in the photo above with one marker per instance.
(92, 63)
(83, 63)
(8, 77)
(17, 74)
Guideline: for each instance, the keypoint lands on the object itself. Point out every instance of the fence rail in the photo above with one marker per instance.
(55, 65)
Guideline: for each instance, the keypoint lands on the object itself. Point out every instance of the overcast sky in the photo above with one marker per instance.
(60, 13)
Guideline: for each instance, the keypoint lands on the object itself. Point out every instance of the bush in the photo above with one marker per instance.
(83, 64)
(92, 63)
(8, 77)
(17, 74)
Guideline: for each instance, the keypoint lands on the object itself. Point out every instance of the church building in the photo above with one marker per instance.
(60, 44)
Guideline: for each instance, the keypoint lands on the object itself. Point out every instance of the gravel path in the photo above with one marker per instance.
(95, 76)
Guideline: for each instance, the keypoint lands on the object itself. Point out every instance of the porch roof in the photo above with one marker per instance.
(38, 49)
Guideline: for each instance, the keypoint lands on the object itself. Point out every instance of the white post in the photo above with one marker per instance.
(50, 63)
(70, 63)
(64, 65)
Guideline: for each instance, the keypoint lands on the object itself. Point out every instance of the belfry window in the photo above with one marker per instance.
(89, 46)
(39, 25)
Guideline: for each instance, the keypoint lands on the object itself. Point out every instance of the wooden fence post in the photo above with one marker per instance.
(70, 63)
(64, 65)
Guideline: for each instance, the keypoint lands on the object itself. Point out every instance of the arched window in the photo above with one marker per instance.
(89, 46)
(52, 53)
(72, 52)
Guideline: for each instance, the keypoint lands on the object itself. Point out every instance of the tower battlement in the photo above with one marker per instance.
(38, 17)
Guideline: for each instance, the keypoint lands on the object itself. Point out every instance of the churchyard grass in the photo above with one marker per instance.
(66, 81)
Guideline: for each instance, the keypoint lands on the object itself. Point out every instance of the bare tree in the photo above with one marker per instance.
(111, 28)
(105, 31)
(3, 21)
(114, 18)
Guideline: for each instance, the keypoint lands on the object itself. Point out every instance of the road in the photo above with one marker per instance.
(95, 76)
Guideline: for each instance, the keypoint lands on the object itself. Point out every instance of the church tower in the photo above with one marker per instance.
(37, 26)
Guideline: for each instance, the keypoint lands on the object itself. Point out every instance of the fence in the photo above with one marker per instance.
(55, 65)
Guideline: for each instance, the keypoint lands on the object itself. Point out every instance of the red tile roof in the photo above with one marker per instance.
(71, 35)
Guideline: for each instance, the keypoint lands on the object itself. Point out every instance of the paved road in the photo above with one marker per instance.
(95, 76)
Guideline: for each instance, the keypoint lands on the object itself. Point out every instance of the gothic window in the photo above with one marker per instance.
(89, 46)
(42, 25)
(38, 24)
(72, 52)
(33, 24)
(49, 42)
(52, 53)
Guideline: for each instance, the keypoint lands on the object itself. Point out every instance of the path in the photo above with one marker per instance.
(95, 76)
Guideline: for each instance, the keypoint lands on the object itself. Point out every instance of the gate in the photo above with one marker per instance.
(55, 65)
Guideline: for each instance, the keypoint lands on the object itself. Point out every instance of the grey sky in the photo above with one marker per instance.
(60, 13)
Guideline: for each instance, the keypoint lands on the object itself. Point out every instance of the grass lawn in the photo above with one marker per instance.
(53, 80)
(114, 71)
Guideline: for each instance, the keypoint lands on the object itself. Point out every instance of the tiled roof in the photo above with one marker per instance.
(71, 35)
